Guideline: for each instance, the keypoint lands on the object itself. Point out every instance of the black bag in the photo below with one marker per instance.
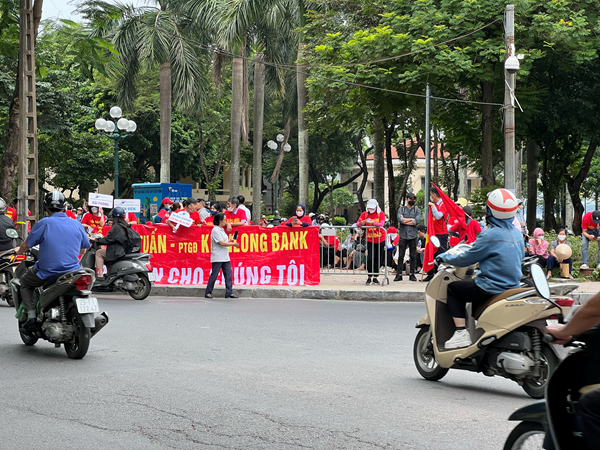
(134, 241)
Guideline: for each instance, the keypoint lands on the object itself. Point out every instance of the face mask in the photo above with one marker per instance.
(371, 210)
(300, 213)
(168, 207)
(411, 202)
(561, 237)
(392, 236)
(95, 211)
(212, 212)
(230, 209)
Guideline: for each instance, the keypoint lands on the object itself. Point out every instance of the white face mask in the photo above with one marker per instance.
(392, 236)
(300, 213)
(371, 210)
(561, 237)
(230, 209)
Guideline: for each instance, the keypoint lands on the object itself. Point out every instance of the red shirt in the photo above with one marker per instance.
(237, 216)
(375, 220)
(439, 225)
(70, 214)
(333, 241)
(471, 232)
(586, 223)
(195, 216)
(458, 229)
(131, 217)
(304, 219)
(12, 214)
(93, 221)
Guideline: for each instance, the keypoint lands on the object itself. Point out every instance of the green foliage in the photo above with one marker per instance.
(478, 198)
(339, 221)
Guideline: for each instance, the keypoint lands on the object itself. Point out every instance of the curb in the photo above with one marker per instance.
(314, 294)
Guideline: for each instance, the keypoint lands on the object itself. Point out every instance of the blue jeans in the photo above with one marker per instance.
(553, 262)
(584, 250)
(227, 275)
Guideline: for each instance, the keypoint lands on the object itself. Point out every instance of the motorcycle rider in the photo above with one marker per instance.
(116, 241)
(499, 251)
(586, 317)
(6, 223)
(61, 241)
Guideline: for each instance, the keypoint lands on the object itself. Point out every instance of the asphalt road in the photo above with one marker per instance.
(245, 374)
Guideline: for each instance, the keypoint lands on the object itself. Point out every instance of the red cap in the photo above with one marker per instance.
(166, 200)
(392, 230)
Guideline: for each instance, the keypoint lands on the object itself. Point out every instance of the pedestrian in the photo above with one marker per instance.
(391, 241)
(373, 219)
(440, 228)
(79, 213)
(554, 259)
(409, 217)
(219, 257)
(422, 231)
(242, 200)
(521, 219)
(590, 224)
(263, 221)
(538, 246)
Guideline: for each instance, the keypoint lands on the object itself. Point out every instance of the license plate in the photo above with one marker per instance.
(551, 321)
(87, 305)
(151, 276)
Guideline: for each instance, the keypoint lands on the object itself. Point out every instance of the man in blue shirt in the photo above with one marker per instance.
(61, 241)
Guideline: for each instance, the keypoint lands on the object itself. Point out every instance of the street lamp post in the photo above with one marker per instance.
(124, 127)
(286, 148)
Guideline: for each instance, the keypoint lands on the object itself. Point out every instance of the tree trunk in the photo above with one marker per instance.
(10, 158)
(574, 184)
(237, 99)
(378, 162)
(302, 131)
(365, 172)
(165, 123)
(487, 124)
(533, 150)
(389, 131)
(436, 169)
(259, 116)
(245, 102)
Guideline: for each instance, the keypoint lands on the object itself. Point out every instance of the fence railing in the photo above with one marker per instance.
(352, 250)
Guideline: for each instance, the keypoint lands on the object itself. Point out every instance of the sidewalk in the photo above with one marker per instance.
(341, 287)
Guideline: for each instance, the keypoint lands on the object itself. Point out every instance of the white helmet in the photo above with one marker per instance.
(502, 203)
(2, 206)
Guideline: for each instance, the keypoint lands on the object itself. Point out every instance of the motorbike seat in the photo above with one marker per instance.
(136, 256)
(495, 299)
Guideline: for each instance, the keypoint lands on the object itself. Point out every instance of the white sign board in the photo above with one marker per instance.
(181, 218)
(104, 201)
(132, 205)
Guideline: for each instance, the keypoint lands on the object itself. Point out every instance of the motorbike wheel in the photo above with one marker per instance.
(526, 435)
(537, 388)
(77, 348)
(27, 338)
(143, 288)
(424, 357)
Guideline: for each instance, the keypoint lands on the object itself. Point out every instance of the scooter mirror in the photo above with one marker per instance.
(435, 241)
(539, 281)
(12, 233)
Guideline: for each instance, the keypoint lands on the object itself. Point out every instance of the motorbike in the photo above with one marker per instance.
(66, 313)
(506, 331)
(553, 423)
(526, 280)
(8, 261)
(132, 273)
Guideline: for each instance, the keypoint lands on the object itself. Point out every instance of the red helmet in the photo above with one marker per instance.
(502, 203)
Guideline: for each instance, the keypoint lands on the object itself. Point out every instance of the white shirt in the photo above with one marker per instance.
(218, 253)
(248, 214)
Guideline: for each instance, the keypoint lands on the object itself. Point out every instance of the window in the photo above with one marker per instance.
(372, 190)
(354, 187)
(423, 183)
(469, 186)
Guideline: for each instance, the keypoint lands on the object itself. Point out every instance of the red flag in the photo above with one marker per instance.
(453, 209)
(430, 249)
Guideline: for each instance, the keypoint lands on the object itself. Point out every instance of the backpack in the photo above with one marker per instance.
(134, 241)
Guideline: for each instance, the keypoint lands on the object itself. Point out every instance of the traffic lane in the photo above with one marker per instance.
(253, 373)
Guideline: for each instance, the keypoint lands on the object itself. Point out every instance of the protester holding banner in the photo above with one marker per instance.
(219, 257)
(373, 217)
(301, 219)
(188, 207)
(94, 220)
(235, 215)
(242, 200)
(215, 208)
(165, 208)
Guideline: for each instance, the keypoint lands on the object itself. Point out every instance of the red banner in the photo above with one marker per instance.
(280, 256)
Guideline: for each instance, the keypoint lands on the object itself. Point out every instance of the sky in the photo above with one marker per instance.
(59, 9)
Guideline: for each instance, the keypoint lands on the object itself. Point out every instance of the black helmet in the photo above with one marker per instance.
(55, 201)
(118, 212)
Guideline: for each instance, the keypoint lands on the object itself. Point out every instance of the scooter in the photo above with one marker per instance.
(8, 261)
(553, 423)
(132, 273)
(66, 314)
(506, 331)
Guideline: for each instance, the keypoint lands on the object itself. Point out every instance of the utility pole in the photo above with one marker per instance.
(427, 152)
(509, 108)
(27, 189)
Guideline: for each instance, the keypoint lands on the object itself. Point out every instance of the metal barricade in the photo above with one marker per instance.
(345, 250)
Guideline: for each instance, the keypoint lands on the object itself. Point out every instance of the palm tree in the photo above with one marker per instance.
(149, 37)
